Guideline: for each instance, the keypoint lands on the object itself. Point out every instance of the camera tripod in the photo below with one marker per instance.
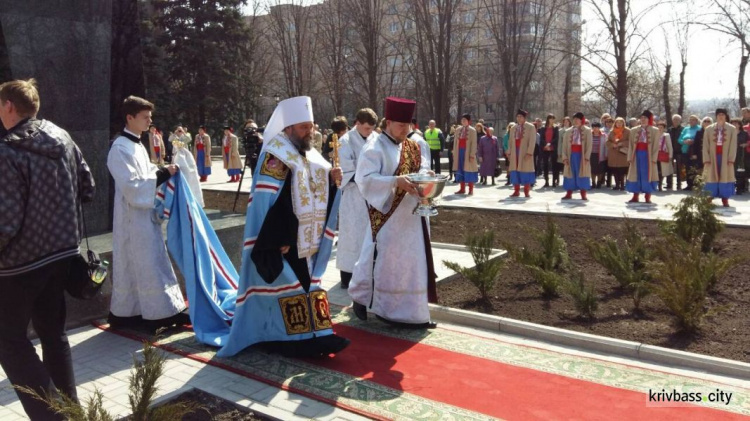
(248, 159)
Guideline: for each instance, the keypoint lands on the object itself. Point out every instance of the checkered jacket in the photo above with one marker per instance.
(42, 172)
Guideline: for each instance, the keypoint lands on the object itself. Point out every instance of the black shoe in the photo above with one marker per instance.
(317, 347)
(402, 325)
(117, 322)
(359, 310)
(546, 184)
(687, 189)
(180, 319)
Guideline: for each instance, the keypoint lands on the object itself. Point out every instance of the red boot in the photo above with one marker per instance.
(725, 202)
(526, 189)
(568, 195)
(583, 195)
(471, 189)
(648, 197)
(462, 190)
(634, 199)
(516, 190)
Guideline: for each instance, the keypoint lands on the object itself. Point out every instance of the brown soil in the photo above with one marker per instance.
(517, 296)
(215, 408)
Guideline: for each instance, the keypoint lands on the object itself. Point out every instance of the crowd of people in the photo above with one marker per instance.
(640, 156)
(306, 186)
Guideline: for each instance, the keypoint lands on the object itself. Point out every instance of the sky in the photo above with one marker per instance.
(713, 58)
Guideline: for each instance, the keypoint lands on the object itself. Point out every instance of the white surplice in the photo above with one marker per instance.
(184, 159)
(398, 291)
(354, 221)
(144, 282)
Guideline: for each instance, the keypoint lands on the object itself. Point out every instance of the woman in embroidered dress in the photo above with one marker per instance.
(719, 153)
(617, 157)
(643, 176)
(566, 124)
(202, 153)
(465, 156)
(598, 145)
(665, 153)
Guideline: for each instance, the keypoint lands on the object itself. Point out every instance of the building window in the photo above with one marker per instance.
(393, 27)
(489, 108)
(469, 17)
(408, 24)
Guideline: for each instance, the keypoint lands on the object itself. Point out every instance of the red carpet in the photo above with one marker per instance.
(473, 383)
(494, 388)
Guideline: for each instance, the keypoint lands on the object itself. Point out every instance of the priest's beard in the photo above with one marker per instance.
(303, 144)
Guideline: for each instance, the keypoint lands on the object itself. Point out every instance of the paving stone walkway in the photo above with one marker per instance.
(602, 202)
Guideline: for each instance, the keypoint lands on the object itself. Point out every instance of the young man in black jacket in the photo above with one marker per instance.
(43, 177)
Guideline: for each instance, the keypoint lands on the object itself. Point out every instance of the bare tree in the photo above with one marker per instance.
(366, 17)
(666, 80)
(732, 18)
(439, 40)
(332, 27)
(290, 32)
(683, 38)
(520, 31)
(614, 52)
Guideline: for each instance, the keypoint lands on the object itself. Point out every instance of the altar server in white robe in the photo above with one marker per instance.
(144, 287)
(353, 216)
(394, 276)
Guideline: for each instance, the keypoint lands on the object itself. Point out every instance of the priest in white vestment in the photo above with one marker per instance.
(354, 220)
(394, 274)
(144, 287)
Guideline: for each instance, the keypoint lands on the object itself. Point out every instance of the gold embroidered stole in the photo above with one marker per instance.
(409, 163)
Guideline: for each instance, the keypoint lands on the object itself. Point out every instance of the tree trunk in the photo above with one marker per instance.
(741, 81)
(621, 92)
(681, 105)
(665, 91)
(566, 91)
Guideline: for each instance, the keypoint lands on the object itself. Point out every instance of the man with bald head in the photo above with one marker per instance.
(435, 139)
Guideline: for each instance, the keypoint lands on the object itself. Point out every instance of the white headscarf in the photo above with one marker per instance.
(288, 112)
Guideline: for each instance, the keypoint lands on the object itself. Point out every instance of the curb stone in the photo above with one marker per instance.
(595, 343)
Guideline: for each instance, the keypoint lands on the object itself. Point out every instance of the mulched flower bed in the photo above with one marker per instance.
(214, 408)
(517, 296)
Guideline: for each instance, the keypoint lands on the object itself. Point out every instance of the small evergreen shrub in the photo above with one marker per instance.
(583, 295)
(683, 277)
(694, 219)
(626, 261)
(486, 271)
(142, 391)
(548, 261)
